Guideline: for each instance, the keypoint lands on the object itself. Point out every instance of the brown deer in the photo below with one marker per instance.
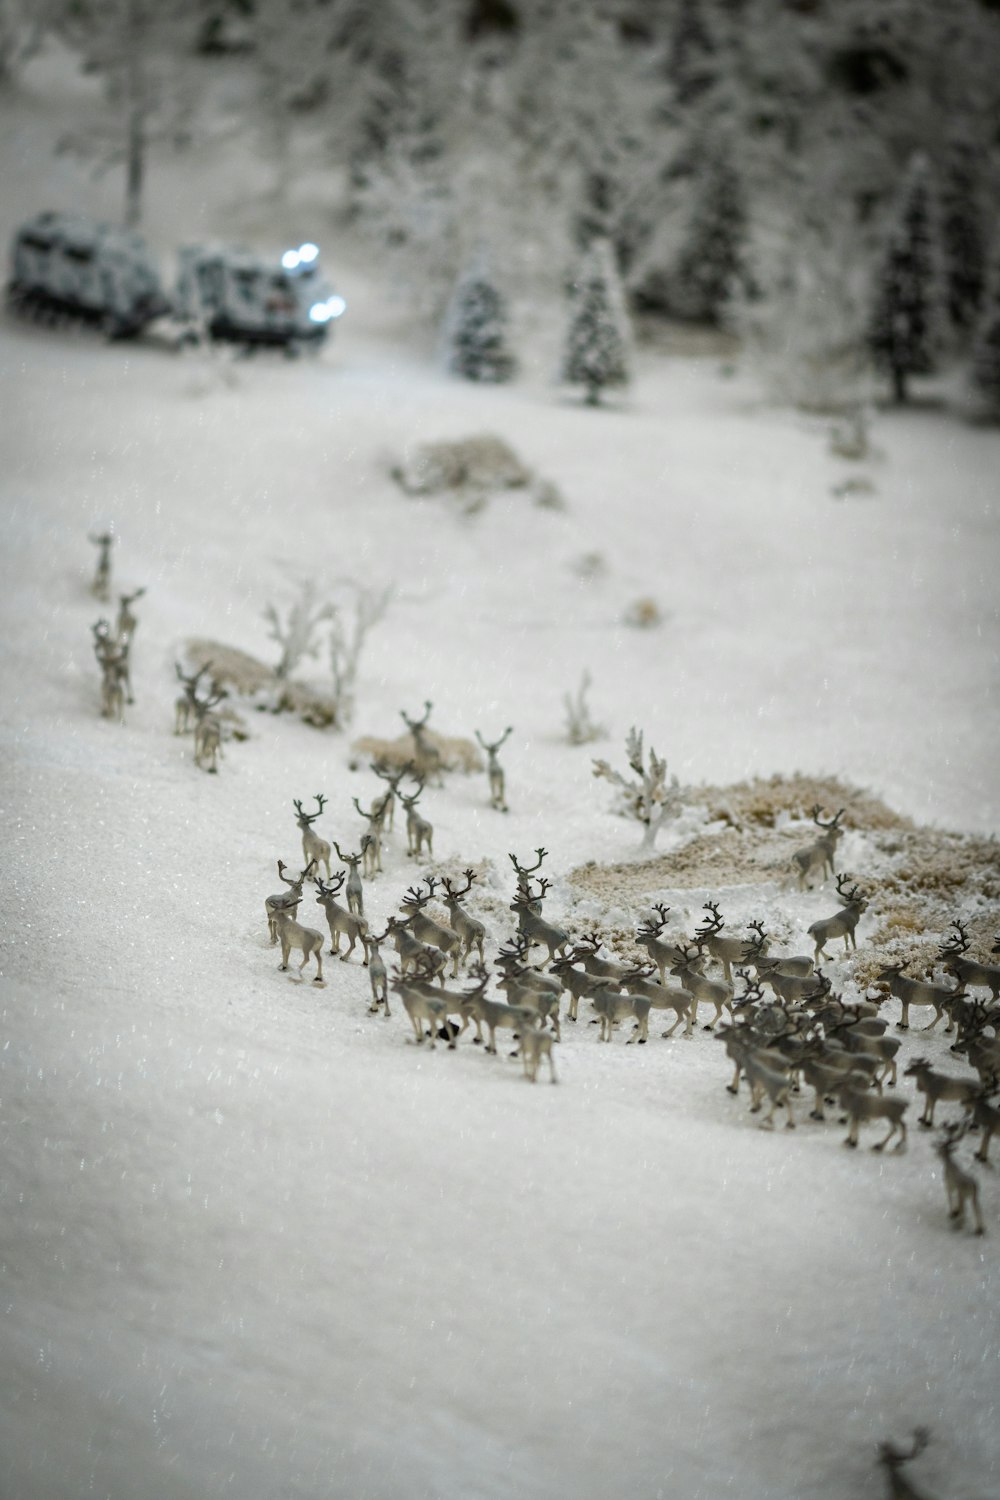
(843, 922)
(313, 847)
(819, 855)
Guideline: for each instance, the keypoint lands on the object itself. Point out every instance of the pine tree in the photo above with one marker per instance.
(904, 326)
(596, 353)
(477, 335)
(712, 259)
(986, 351)
(963, 236)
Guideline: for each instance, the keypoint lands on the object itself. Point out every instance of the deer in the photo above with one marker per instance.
(469, 929)
(495, 770)
(842, 923)
(859, 1104)
(420, 1005)
(764, 1075)
(512, 963)
(413, 952)
(938, 1086)
(292, 934)
(533, 927)
(741, 1039)
(285, 900)
(536, 1044)
(985, 1116)
(340, 921)
(418, 831)
(639, 981)
(663, 954)
(726, 950)
(960, 1186)
(125, 628)
(494, 1016)
(755, 953)
(355, 890)
(544, 1004)
(184, 707)
(377, 975)
(892, 1460)
(846, 1035)
(967, 972)
(208, 729)
(587, 951)
(820, 854)
(717, 992)
(371, 839)
(112, 658)
(578, 983)
(425, 929)
(914, 992)
(392, 779)
(613, 1005)
(426, 756)
(313, 847)
(101, 584)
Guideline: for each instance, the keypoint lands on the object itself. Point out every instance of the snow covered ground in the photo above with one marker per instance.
(255, 1244)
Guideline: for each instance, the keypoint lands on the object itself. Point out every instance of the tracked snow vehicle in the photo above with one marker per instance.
(234, 295)
(71, 268)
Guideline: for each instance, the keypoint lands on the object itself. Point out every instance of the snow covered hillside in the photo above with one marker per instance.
(256, 1243)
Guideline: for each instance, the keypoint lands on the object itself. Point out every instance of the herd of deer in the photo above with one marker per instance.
(800, 1034)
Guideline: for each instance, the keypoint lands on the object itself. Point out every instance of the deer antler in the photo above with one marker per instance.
(334, 885)
(713, 923)
(958, 942)
(414, 724)
(414, 897)
(524, 870)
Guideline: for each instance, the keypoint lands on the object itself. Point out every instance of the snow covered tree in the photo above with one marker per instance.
(597, 341)
(712, 258)
(691, 55)
(905, 319)
(986, 350)
(477, 327)
(649, 797)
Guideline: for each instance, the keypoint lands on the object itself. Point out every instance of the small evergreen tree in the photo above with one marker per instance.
(596, 353)
(477, 336)
(963, 236)
(986, 351)
(712, 259)
(904, 325)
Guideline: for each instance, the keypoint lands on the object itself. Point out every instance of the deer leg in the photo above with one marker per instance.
(284, 955)
(976, 1213)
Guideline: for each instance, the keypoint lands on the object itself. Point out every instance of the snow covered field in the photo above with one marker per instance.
(255, 1244)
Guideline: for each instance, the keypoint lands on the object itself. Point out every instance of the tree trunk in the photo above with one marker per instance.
(899, 384)
(135, 105)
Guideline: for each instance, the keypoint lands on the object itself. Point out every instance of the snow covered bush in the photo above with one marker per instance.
(349, 627)
(596, 354)
(648, 798)
(297, 633)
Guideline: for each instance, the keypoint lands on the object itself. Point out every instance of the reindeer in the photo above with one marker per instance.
(587, 951)
(892, 1459)
(101, 585)
(842, 923)
(755, 953)
(420, 1005)
(959, 1185)
(967, 972)
(819, 855)
(355, 891)
(544, 1004)
(495, 1016)
(938, 1086)
(292, 934)
(313, 847)
(371, 839)
(426, 756)
(884, 1048)
(741, 1039)
(112, 658)
(512, 963)
(579, 984)
(392, 779)
(126, 623)
(647, 936)
(536, 1044)
(859, 1104)
(285, 900)
(341, 921)
(412, 952)
(377, 976)
(764, 1075)
(613, 1005)
(418, 831)
(471, 931)
(726, 950)
(985, 1117)
(185, 705)
(533, 928)
(425, 929)
(639, 981)
(208, 728)
(524, 873)
(914, 992)
(717, 992)
(495, 770)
